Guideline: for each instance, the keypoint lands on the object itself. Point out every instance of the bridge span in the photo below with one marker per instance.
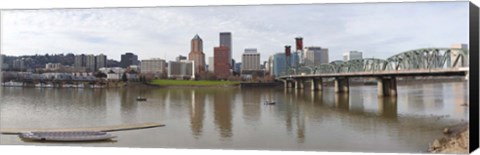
(386, 80)
(424, 62)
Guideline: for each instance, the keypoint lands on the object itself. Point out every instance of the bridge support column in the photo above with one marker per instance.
(386, 86)
(341, 85)
(316, 84)
(299, 84)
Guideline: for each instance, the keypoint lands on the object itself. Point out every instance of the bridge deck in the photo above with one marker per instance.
(444, 72)
(104, 128)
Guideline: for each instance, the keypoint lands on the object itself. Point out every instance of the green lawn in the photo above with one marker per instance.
(191, 83)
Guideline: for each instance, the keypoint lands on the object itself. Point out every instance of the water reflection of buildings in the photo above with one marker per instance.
(197, 112)
(342, 101)
(387, 107)
(460, 99)
(356, 101)
(251, 103)
(222, 107)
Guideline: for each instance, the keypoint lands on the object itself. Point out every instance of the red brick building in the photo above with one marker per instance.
(221, 62)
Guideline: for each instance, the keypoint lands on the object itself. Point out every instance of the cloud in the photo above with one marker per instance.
(377, 29)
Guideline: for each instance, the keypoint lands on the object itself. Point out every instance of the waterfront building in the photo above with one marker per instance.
(80, 62)
(180, 57)
(226, 40)
(90, 63)
(352, 55)
(250, 60)
(57, 76)
(221, 62)
(131, 75)
(211, 65)
(53, 66)
(5, 66)
(455, 53)
(196, 54)
(251, 64)
(100, 61)
(113, 73)
(19, 64)
(182, 69)
(314, 56)
(156, 66)
(128, 59)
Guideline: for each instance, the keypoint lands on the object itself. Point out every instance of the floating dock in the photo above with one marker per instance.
(103, 129)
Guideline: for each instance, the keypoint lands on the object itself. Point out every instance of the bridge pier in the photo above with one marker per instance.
(341, 85)
(288, 84)
(299, 84)
(316, 84)
(386, 86)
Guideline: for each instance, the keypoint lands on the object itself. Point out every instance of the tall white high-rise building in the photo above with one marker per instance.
(315, 56)
(352, 55)
(250, 60)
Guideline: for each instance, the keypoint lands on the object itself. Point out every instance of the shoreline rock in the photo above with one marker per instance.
(456, 140)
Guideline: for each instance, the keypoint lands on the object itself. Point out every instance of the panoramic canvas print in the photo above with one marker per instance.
(365, 77)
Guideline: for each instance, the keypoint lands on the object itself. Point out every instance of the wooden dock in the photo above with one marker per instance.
(103, 129)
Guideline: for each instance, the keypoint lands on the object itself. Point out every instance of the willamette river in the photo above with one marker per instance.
(235, 118)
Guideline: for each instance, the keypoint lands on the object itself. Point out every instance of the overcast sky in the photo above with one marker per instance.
(378, 30)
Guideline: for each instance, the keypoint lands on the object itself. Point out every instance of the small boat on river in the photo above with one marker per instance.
(141, 99)
(269, 103)
(66, 136)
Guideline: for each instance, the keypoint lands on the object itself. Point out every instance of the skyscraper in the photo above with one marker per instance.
(226, 40)
(352, 55)
(250, 60)
(128, 59)
(90, 63)
(79, 61)
(315, 56)
(196, 54)
(101, 61)
(280, 65)
(221, 62)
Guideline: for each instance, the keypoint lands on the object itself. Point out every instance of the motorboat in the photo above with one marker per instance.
(269, 103)
(97, 86)
(141, 99)
(66, 136)
(12, 84)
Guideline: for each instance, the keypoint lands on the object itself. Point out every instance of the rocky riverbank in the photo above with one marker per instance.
(456, 140)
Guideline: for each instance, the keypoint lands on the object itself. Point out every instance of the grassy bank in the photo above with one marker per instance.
(192, 83)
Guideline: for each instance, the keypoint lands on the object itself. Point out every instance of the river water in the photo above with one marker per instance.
(235, 118)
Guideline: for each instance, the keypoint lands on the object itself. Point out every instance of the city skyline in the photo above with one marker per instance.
(378, 29)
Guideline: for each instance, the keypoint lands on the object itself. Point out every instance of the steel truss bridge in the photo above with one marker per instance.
(418, 62)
